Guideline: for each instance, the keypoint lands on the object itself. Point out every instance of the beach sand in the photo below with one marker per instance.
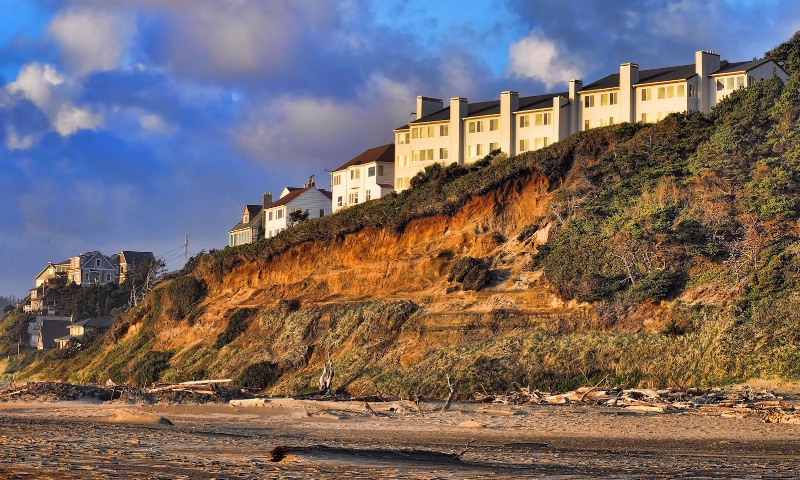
(76, 440)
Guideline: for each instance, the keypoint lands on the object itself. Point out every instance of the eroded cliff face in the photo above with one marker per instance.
(411, 265)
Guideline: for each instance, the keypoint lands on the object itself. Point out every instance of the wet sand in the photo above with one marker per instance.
(75, 440)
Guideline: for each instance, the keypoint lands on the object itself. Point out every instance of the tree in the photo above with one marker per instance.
(295, 217)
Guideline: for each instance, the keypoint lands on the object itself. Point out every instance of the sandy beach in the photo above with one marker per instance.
(75, 440)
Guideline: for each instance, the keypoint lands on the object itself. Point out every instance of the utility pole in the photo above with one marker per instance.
(185, 249)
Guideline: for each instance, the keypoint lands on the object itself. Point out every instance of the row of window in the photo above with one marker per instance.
(426, 131)
(598, 122)
(525, 145)
(425, 155)
(477, 149)
(239, 238)
(355, 174)
(272, 233)
(278, 214)
(539, 119)
(610, 98)
(352, 199)
(730, 83)
(651, 118)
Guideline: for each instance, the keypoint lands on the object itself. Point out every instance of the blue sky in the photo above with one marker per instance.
(125, 124)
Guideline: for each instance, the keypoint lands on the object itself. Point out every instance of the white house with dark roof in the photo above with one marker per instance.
(464, 132)
(368, 176)
(307, 198)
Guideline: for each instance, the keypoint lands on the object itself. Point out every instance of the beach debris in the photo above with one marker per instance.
(736, 402)
(452, 385)
(214, 392)
(326, 377)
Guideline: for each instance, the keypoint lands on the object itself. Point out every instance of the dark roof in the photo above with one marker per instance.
(52, 329)
(668, 74)
(539, 101)
(95, 323)
(491, 107)
(741, 66)
(254, 212)
(384, 153)
(653, 75)
(295, 192)
(132, 257)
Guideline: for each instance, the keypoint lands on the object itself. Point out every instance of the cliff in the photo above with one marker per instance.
(651, 255)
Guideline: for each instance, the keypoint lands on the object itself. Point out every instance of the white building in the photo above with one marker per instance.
(369, 175)
(464, 132)
(316, 201)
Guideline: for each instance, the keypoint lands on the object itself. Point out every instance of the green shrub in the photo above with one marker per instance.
(259, 375)
(149, 368)
(237, 324)
(184, 293)
(660, 284)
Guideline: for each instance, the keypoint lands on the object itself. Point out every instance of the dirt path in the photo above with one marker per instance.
(72, 440)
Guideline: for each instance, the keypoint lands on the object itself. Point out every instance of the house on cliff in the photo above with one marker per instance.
(309, 198)
(250, 228)
(367, 176)
(462, 132)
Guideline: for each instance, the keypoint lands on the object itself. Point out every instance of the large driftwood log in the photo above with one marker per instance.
(326, 378)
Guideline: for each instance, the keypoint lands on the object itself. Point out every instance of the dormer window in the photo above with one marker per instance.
(97, 262)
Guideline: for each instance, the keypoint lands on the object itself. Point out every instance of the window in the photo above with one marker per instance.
(541, 119)
(608, 99)
(380, 170)
(494, 146)
(647, 94)
(740, 81)
(353, 199)
(661, 115)
(108, 277)
(279, 214)
(321, 212)
(423, 155)
(692, 91)
(588, 101)
(524, 121)
(671, 91)
(422, 132)
(612, 98)
(415, 156)
(401, 183)
(479, 149)
(611, 120)
(645, 118)
(494, 124)
(476, 126)
(97, 262)
(415, 132)
(662, 93)
(541, 143)
(524, 145)
(402, 138)
(368, 195)
(587, 124)
(444, 154)
(371, 171)
(269, 215)
(720, 85)
(355, 174)
(729, 83)
(338, 204)
(475, 150)
(680, 90)
(337, 179)
(444, 130)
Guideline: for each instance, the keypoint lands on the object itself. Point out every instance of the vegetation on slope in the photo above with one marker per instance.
(693, 220)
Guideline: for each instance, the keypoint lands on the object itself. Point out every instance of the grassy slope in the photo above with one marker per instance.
(693, 221)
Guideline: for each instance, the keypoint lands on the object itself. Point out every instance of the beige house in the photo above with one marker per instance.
(78, 330)
(91, 268)
(316, 201)
(250, 228)
(464, 132)
(368, 176)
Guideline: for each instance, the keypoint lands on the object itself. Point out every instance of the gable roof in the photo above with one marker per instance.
(537, 102)
(254, 212)
(103, 322)
(740, 67)
(295, 192)
(653, 75)
(384, 153)
(130, 257)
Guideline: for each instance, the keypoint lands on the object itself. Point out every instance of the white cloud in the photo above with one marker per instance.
(155, 124)
(536, 56)
(15, 141)
(50, 91)
(92, 40)
(320, 131)
(70, 119)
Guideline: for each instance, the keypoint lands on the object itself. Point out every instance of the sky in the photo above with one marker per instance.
(126, 124)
